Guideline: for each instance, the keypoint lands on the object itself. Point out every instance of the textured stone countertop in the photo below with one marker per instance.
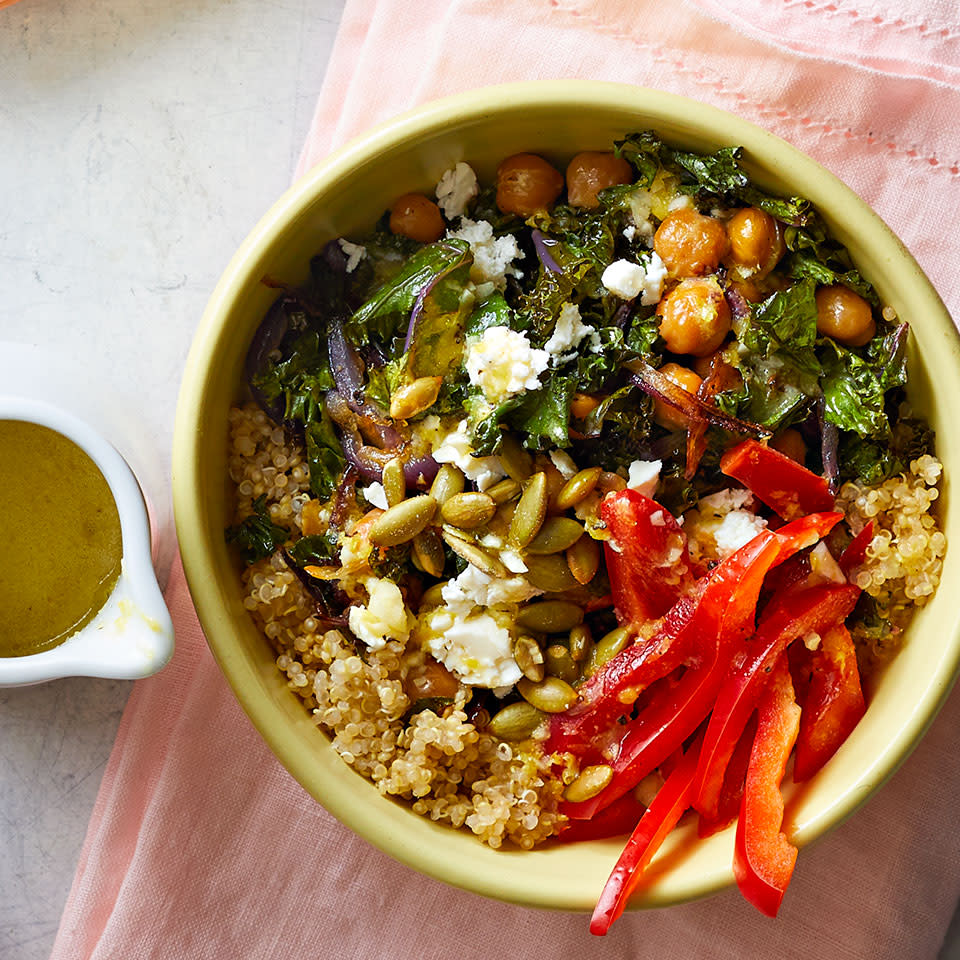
(140, 144)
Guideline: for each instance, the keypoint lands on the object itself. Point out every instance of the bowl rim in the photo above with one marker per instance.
(92, 651)
(708, 122)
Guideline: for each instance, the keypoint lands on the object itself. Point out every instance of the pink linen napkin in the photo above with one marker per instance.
(202, 846)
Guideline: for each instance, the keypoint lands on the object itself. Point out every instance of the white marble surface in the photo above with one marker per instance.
(140, 140)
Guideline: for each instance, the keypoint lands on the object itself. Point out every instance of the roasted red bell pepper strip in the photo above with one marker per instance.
(724, 618)
(788, 617)
(646, 555)
(668, 806)
(764, 858)
(733, 780)
(619, 818)
(833, 704)
(856, 551)
(781, 483)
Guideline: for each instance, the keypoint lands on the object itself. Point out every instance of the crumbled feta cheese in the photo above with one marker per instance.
(492, 256)
(644, 475)
(354, 553)
(680, 202)
(457, 187)
(476, 648)
(503, 362)
(630, 231)
(512, 560)
(455, 448)
(567, 334)
(811, 640)
(354, 253)
(736, 530)
(723, 501)
(823, 566)
(383, 618)
(474, 588)
(375, 495)
(628, 280)
(564, 463)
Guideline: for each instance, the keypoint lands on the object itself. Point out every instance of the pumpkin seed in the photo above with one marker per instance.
(432, 596)
(531, 511)
(414, 398)
(607, 648)
(556, 534)
(470, 552)
(503, 491)
(428, 551)
(549, 573)
(592, 780)
(555, 481)
(394, 482)
(580, 642)
(448, 481)
(559, 663)
(578, 488)
(551, 695)
(515, 722)
(550, 616)
(583, 559)
(403, 521)
(468, 510)
(611, 482)
(529, 657)
(515, 460)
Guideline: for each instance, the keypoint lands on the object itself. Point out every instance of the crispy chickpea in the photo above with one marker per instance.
(756, 241)
(791, 444)
(844, 315)
(415, 216)
(526, 183)
(588, 173)
(690, 244)
(663, 413)
(583, 404)
(694, 317)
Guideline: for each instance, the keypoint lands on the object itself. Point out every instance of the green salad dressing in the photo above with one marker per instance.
(60, 544)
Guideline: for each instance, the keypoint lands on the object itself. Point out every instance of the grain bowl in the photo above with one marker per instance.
(343, 197)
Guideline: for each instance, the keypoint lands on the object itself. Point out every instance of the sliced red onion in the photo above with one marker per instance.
(829, 443)
(542, 246)
(622, 317)
(345, 364)
(740, 308)
(272, 330)
(659, 386)
(420, 472)
(722, 376)
(422, 296)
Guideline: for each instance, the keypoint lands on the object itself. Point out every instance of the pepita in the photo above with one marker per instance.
(578, 488)
(503, 491)
(550, 573)
(448, 481)
(580, 642)
(414, 398)
(529, 657)
(550, 616)
(531, 511)
(428, 550)
(608, 646)
(470, 552)
(592, 780)
(551, 695)
(394, 482)
(518, 721)
(556, 535)
(583, 559)
(432, 596)
(559, 663)
(515, 460)
(611, 482)
(403, 521)
(468, 510)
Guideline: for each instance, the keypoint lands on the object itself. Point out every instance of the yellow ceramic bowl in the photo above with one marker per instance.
(344, 195)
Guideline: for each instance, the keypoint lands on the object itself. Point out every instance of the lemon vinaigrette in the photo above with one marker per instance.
(60, 541)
